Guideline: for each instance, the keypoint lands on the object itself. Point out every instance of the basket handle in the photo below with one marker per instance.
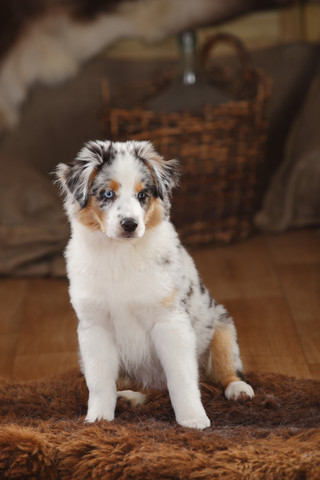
(237, 45)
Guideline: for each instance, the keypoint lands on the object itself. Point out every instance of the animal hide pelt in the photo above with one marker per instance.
(46, 41)
(275, 435)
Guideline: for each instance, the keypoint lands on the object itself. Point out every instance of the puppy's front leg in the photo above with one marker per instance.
(101, 366)
(175, 344)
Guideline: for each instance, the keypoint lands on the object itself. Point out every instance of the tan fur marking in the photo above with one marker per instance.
(114, 185)
(168, 301)
(154, 214)
(221, 367)
(139, 187)
(92, 217)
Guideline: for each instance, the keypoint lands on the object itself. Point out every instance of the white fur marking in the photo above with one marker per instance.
(237, 390)
(135, 398)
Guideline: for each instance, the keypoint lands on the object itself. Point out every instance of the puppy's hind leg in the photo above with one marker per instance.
(126, 396)
(224, 365)
(131, 398)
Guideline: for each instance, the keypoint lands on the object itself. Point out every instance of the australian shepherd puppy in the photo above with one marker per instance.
(142, 308)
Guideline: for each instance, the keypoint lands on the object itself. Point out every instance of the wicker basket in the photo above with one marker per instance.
(220, 150)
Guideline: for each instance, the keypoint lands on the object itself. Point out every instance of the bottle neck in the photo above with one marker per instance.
(188, 71)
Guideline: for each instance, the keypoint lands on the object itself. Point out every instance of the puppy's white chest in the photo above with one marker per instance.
(130, 335)
(128, 299)
(136, 350)
(131, 283)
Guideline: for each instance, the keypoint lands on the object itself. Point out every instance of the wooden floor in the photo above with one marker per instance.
(270, 284)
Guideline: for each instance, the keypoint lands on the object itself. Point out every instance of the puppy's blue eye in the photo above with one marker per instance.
(142, 195)
(109, 194)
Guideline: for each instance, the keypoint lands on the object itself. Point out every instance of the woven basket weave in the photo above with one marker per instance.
(220, 149)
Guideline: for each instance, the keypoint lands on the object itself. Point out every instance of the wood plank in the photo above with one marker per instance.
(12, 298)
(242, 270)
(311, 21)
(267, 337)
(301, 246)
(301, 287)
(8, 344)
(291, 23)
(49, 323)
(315, 370)
(43, 365)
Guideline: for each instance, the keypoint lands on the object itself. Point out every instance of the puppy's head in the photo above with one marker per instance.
(122, 189)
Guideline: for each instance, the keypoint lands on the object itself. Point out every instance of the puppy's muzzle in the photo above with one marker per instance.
(129, 225)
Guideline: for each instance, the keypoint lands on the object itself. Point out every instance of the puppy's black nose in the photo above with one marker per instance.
(129, 225)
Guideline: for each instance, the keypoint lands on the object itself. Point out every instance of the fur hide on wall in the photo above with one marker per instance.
(46, 41)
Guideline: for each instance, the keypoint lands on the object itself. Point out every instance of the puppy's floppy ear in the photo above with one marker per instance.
(168, 175)
(77, 177)
(165, 172)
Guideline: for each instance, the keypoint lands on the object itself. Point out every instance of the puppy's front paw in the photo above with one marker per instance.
(239, 391)
(99, 408)
(200, 422)
(93, 416)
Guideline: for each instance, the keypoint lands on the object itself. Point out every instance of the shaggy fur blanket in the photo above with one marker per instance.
(274, 436)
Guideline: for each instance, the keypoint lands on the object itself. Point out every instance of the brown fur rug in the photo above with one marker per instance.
(274, 436)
